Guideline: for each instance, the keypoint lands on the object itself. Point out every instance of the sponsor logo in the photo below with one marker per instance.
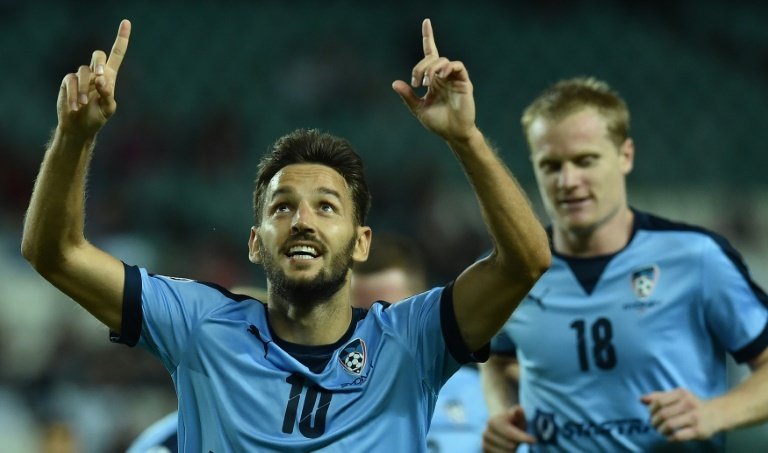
(544, 427)
(641, 306)
(547, 429)
(357, 381)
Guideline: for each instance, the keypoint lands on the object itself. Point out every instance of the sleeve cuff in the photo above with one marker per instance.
(754, 348)
(130, 325)
(453, 340)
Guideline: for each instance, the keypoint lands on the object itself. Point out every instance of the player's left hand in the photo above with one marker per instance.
(448, 107)
(680, 415)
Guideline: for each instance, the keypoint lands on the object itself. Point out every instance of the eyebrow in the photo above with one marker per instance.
(331, 192)
(289, 191)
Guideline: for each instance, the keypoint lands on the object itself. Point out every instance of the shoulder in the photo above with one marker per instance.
(690, 240)
(653, 224)
(187, 287)
(645, 221)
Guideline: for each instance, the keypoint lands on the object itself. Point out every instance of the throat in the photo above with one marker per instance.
(319, 324)
(604, 238)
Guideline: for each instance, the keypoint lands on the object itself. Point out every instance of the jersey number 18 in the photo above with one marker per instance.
(603, 352)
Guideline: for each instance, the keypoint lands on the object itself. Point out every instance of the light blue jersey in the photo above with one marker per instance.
(457, 425)
(160, 437)
(241, 388)
(595, 334)
(460, 415)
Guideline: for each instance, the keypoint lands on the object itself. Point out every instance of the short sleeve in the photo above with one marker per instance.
(427, 324)
(735, 305)
(160, 312)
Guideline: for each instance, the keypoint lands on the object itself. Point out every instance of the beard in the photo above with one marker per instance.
(305, 293)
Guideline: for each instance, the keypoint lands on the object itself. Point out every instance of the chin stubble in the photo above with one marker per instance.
(319, 289)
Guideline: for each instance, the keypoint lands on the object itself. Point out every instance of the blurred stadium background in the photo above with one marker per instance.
(206, 87)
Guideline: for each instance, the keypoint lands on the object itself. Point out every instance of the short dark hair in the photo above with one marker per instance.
(311, 146)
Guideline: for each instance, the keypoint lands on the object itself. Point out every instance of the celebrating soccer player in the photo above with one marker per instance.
(304, 371)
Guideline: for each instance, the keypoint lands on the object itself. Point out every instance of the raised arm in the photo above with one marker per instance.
(487, 292)
(54, 241)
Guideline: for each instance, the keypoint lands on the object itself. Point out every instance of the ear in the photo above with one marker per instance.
(362, 244)
(253, 246)
(627, 155)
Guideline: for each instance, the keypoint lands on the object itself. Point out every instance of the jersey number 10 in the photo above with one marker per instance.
(312, 409)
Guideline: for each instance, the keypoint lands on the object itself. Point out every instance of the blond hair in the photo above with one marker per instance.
(572, 95)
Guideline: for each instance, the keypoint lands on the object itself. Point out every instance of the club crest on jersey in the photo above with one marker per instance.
(353, 356)
(644, 281)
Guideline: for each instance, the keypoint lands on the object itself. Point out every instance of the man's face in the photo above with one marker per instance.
(307, 239)
(579, 170)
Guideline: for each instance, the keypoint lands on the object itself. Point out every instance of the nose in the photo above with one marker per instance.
(303, 219)
(568, 176)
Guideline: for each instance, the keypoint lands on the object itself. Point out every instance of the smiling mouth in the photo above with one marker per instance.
(302, 252)
(573, 203)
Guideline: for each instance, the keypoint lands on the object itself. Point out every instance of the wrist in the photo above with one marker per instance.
(71, 139)
(722, 417)
(468, 140)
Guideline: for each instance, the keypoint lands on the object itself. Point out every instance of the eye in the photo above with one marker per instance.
(327, 207)
(586, 161)
(281, 208)
(549, 167)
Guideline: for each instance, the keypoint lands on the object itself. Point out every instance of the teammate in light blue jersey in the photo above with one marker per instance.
(305, 372)
(621, 345)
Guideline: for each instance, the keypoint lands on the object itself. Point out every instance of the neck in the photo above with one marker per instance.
(607, 237)
(312, 324)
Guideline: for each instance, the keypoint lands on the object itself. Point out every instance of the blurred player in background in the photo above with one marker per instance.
(393, 271)
(621, 344)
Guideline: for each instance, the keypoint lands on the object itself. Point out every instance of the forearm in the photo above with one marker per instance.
(497, 388)
(746, 404)
(520, 241)
(56, 216)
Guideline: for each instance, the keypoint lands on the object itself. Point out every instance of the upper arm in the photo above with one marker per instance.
(94, 279)
(484, 297)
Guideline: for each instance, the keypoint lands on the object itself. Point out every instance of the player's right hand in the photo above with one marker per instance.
(448, 107)
(87, 97)
(506, 431)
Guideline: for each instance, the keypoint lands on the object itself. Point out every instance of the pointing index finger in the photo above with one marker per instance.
(120, 46)
(428, 39)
